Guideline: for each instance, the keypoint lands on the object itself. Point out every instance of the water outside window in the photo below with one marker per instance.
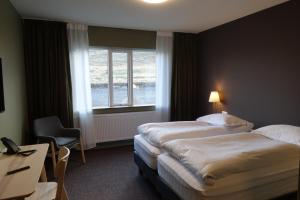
(98, 59)
(120, 78)
(143, 77)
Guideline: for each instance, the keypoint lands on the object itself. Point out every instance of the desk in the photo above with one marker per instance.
(21, 184)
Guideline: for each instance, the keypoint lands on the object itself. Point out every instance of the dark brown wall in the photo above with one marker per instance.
(255, 63)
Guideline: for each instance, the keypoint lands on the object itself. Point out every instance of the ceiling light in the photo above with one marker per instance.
(155, 1)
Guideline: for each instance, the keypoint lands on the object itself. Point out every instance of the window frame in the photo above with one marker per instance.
(129, 107)
(111, 82)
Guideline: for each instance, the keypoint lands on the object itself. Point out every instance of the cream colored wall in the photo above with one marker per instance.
(12, 120)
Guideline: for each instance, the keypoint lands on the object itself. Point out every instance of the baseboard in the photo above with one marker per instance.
(111, 144)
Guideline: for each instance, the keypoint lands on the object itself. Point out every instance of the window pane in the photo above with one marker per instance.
(144, 76)
(98, 59)
(120, 78)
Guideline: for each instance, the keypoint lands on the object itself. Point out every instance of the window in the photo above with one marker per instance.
(144, 77)
(98, 59)
(122, 77)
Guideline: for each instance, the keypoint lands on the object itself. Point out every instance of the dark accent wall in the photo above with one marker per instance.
(255, 63)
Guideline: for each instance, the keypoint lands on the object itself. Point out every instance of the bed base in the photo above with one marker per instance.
(152, 175)
(165, 191)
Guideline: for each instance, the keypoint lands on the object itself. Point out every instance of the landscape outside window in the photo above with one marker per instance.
(141, 69)
(144, 77)
(120, 78)
(98, 59)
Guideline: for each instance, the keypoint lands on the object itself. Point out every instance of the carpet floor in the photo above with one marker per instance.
(109, 174)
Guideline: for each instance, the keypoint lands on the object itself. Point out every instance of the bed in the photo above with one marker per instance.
(151, 137)
(147, 152)
(186, 186)
(265, 165)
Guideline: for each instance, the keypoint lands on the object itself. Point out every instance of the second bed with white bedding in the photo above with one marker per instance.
(214, 158)
(258, 165)
(190, 187)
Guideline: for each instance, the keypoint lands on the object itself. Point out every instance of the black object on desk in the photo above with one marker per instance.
(12, 148)
(18, 170)
(26, 153)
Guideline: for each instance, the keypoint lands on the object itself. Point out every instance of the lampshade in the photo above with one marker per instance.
(214, 97)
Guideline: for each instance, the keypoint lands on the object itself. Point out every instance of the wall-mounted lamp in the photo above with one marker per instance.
(214, 97)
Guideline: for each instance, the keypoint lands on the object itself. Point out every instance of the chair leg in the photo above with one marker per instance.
(53, 157)
(82, 151)
(64, 194)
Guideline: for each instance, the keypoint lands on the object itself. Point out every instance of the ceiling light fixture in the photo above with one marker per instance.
(155, 1)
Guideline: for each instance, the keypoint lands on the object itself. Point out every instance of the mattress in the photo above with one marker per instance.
(238, 186)
(146, 151)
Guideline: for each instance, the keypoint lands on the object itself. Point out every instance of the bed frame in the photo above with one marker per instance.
(152, 175)
(166, 192)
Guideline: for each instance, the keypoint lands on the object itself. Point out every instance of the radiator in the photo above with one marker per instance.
(121, 126)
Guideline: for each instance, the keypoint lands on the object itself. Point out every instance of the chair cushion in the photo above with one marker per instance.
(66, 141)
(44, 191)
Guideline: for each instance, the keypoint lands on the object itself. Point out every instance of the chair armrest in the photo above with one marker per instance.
(70, 132)
(47, 139)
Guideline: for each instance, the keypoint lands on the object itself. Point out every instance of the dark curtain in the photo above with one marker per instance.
(185, 91)
(48, 76)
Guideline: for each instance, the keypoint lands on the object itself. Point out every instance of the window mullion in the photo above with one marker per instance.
(110, 73)
(130, 78)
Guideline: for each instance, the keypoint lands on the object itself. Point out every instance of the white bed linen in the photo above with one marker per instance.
(149, 153)
(146, 151)
(224, 119)
(285, 133)
(214, 158)
(159, 133)
(265, 186)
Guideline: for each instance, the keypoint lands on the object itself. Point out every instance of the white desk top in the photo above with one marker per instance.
(23, 183)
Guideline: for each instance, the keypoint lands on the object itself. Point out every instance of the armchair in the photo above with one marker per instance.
(50, 130)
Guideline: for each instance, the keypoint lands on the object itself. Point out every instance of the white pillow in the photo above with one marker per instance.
(285, 133)
(224, 119)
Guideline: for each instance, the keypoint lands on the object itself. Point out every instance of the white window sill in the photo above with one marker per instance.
(123, 109)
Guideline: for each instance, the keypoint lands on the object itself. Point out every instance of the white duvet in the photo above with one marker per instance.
(159, 133)
(217, 157)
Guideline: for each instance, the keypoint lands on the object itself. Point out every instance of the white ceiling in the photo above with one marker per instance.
(174, 15)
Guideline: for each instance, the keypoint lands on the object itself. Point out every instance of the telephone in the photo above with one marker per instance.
(12, 148)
